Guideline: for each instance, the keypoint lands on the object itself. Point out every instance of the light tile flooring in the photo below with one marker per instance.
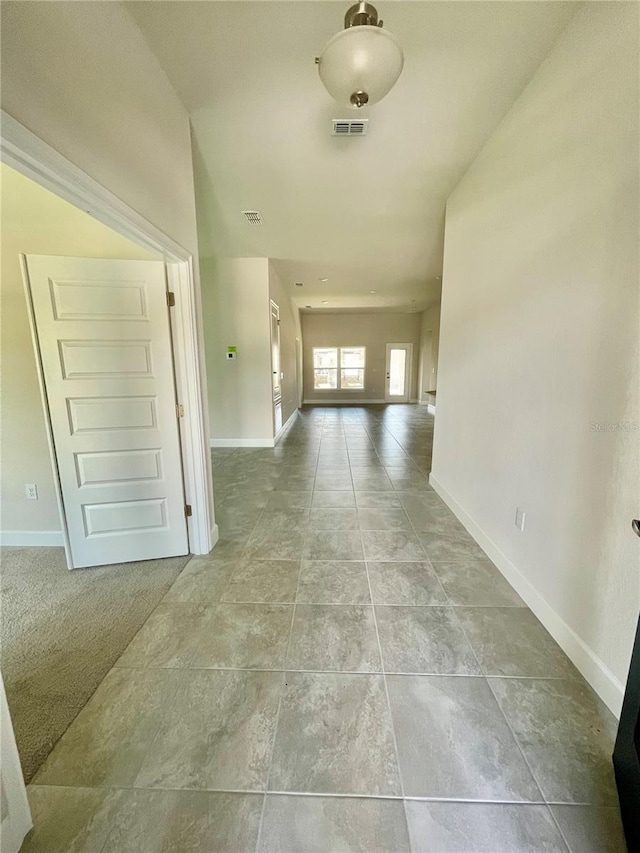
(346, 671)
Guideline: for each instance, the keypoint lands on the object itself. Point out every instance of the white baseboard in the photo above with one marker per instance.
(431, 408)
(286, 425)
(596, 672)
(32, 537)
(343, 402)
(242, 442)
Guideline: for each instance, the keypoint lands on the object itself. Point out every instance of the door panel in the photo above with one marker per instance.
(103, 333)
(398, 374)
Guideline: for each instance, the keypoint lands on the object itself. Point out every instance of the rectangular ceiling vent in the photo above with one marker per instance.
(349, 127)
(254, 217)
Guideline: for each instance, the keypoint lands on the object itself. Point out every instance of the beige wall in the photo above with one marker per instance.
(82, 78)
(373, 331)
(539, 343)
(429, 344)
(35, 221)
(289, 331)
(236, 313)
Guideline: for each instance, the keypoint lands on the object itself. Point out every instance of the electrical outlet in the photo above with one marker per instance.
(31, 491)
(520, 517)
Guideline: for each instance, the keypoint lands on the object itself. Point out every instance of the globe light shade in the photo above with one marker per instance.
(360, 65)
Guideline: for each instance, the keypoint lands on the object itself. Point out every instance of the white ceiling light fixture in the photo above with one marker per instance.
(361, 64)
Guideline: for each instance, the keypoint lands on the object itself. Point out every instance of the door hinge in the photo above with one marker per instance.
(171, 298)
(179, 410)
(187, 510)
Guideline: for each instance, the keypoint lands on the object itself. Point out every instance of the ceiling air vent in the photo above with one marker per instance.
(254, 217)
(349, 127)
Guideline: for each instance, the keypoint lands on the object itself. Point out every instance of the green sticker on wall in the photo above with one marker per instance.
(232, 349)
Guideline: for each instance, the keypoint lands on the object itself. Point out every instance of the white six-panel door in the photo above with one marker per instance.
(102, 329)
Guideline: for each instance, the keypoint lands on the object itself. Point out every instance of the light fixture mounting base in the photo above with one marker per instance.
(362, 14)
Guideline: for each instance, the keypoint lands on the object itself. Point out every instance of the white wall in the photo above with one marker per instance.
(374, 331)
(237, 314)
(35, 221)
(539, 341)
(429, 344)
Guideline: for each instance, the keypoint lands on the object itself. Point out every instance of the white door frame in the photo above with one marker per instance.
(16, 822)
(408, 372)
(29, 155)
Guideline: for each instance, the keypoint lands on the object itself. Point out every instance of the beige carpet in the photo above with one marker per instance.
(62, 632)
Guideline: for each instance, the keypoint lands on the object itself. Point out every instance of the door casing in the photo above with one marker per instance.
(28, 154)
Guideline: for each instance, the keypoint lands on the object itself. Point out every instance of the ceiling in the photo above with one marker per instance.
(365, 213)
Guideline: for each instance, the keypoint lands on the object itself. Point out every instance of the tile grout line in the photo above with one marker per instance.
(322, 794)
(386, 691)
(398, 673)
(502, 712)
(282, 689)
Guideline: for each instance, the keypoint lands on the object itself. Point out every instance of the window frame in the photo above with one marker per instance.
(339, 368)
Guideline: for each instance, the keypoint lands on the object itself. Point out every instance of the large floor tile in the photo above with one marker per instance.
(482, 828)
(334, 736)
(331, 499)
(383, 518)
(332, 483)
(269, 544)
(289, 500)
(333, 545)
(185, 822)
(230, 546)
(277, 519)
(109, 739)
(453, 741)
(476, 584)
(511, 641)
(566, 734)
(457, 548)
(333, 582)
(339, 637)
(203, 580)
(391, 545)
(294, 483)
(70, 820)
(328, 518)
(322, 824)
(368, 482)
(263, 581)
(405, 583)
(591, 829)
(438, 522)
(218, 734)
(424, 639)
(377, 500)
(168, 637)
(251, 636)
